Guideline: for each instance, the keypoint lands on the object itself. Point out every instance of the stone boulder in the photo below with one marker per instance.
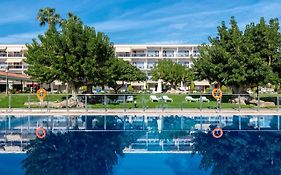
(70, 103)
(262, 103)
(243, 100)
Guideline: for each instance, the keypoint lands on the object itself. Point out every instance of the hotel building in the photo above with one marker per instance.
(144, 57)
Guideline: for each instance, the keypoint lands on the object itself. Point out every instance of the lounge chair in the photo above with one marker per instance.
(153, 98)
(191, 99)
(205, 99)
(130, 99)
(167, 99)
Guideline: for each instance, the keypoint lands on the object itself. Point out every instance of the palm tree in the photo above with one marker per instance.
(48, 15)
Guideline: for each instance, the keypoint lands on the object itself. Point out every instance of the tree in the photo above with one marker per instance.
(76, 55)
(171, 72)
(122, 71)
(48, 15)
(241, 59)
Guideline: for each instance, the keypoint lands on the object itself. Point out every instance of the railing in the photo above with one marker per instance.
(138, 55)
(141, 101)
(176, 131)
(183, 54)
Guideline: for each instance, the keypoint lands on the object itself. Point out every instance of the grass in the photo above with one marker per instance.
(142, 100)
(18, 100)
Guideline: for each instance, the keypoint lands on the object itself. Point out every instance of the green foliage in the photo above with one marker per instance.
(75, 54)
(83, 88)
(120, 70)
(171, 72)
(225, 89)
(241, 59)
(192, 86)
(48, 15)
(13, 91)
(130, 88)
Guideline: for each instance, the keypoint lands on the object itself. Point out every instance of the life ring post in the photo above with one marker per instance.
(41, 94)
(217, 133)
(40, 133)
(217, 94)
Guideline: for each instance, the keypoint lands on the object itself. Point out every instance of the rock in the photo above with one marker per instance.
(71, 103)
(262, 103)
(242, 100)
(255, 102)
(267, 104)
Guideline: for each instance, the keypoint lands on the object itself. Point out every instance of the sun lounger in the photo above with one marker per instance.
(130, 99)
(167, 99)
(153, 98)
(205, 99)
(191, 99)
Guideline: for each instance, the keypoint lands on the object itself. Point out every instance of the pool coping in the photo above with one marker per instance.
(139, 112)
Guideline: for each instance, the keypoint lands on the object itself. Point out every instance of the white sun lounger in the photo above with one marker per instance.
(167, 99)
(205, 99)
(191, 99)
(153, 98)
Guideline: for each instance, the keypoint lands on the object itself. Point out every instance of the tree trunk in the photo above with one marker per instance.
(173, 85)
(238, 90)
(257, 91)
(74, 90)
(116, 88)
(89, 89)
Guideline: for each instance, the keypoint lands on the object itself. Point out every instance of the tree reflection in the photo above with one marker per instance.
(76, 152)
(240, 152)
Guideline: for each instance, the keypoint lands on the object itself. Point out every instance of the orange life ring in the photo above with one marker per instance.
(217, 130)
(217, 93)
(40, 136)
(41, 93)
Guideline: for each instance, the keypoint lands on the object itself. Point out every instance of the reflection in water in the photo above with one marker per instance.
(92, 144)
(76, 152)
(240, 152)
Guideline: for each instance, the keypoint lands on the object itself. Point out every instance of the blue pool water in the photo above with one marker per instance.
(94, 145)
(131, 164)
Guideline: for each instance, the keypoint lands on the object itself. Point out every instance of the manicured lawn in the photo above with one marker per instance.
(18, 100)
(142, 101)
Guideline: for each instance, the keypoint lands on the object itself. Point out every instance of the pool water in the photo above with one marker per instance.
(133, 145)
(131, 164)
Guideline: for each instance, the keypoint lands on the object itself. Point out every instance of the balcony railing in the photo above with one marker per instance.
(183, 54)
(123, 55)
(168, 55)
(138, 55)
(3, 54)
(15, 55)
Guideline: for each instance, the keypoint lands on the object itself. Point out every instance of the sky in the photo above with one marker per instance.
(137, 21)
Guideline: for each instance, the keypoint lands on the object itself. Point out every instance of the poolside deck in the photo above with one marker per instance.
(147, 112)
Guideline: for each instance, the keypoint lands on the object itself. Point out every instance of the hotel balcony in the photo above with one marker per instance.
(152, 55)
(121, 54)
(156, 52)
(138, 55)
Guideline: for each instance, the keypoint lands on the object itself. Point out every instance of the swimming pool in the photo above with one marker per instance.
(146, 142)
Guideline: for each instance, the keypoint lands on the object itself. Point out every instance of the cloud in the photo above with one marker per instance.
(13, 18)
(166, 17)
(21, 38)
(149, 21)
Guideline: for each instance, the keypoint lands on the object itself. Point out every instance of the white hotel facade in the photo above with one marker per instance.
(144, 57)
